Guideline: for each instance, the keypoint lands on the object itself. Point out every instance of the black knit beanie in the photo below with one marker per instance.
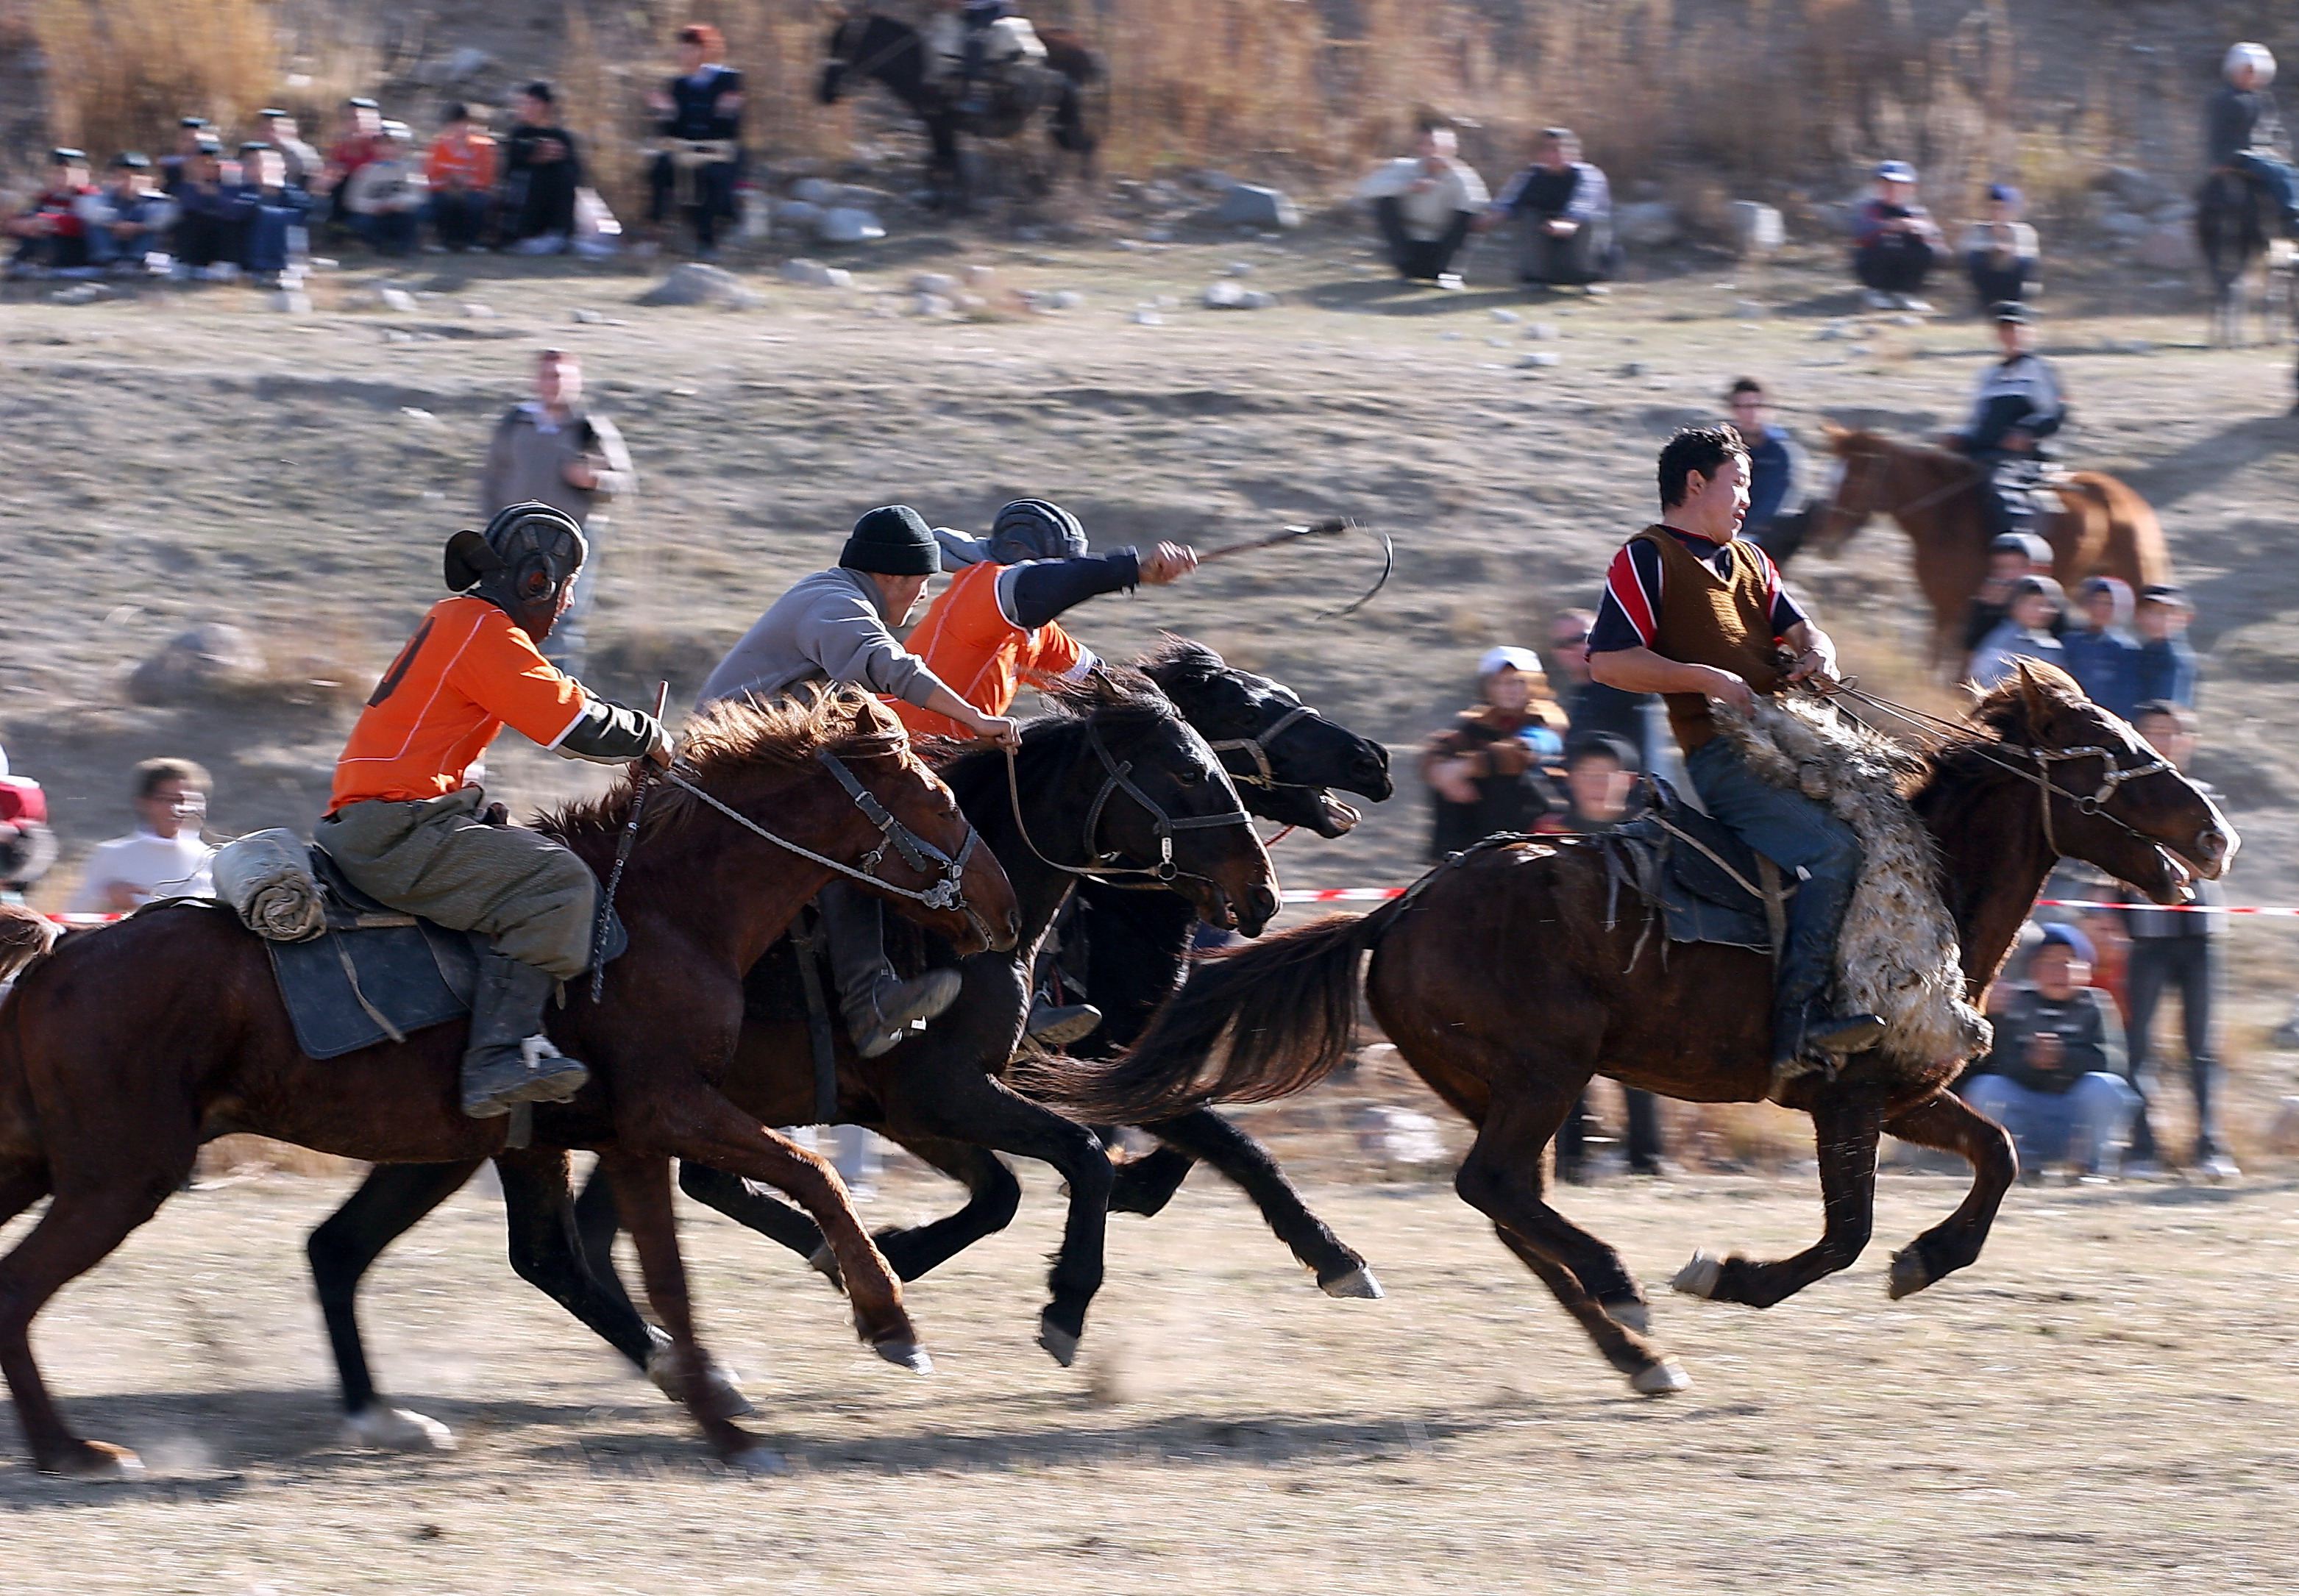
(894, 541)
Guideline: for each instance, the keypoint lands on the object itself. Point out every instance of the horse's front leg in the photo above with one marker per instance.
(1946, 1121)
(1844, 1128)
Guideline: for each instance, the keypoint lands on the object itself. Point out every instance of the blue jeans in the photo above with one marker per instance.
(2276, 177)
(2099, 1104)
(1806, 843)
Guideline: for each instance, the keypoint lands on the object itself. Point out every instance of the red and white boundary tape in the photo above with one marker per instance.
(1351, 895)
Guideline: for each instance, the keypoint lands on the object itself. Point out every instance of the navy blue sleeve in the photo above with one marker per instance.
(1037, 590)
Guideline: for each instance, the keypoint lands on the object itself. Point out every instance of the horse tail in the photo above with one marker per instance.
(1283, 1013)
(25, 939)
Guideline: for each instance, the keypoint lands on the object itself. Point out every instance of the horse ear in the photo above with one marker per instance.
(2033, 696)
(1831, 432)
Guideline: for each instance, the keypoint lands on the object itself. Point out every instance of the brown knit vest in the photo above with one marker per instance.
(1707, 619)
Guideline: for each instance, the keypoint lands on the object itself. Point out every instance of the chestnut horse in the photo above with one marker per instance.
(1509, 977)
(127, 1047)
(2106, 529)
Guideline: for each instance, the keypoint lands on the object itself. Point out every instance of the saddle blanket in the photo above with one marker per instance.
(1704, 897)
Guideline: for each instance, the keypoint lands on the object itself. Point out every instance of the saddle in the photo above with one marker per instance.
(1708, 885)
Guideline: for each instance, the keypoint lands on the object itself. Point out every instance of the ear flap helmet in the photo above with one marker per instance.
(522, 564)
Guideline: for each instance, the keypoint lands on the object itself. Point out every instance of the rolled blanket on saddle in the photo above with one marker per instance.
(1898, 957)
(266, 877)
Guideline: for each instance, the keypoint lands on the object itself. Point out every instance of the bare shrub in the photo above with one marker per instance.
(120, 72)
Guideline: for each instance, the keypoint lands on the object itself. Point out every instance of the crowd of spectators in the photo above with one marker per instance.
(1558, 210)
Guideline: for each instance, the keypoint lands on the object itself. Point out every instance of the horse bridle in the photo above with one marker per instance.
(1922, 499)
(1257, 746)
(1102, 864)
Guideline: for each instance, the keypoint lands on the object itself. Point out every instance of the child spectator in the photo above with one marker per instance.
(2167, 662)
(2058, 1068)
(164, 856)
(1424, 204)
(2025, 632)
(212, 216)
(300, 161)
(460, 169)
(384, 198)
(1486, 775)
(191, 133)
(1771, 468)
(137, 218)
(2101, 654)
(275, 212)
(1999, 250)
(542, 170)
(1563, 207)
(1600, 784)
(2179, 950)
(1894, 241)
(2010, 557)
(56, 228)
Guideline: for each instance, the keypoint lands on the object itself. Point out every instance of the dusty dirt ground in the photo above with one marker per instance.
(2106, 1402)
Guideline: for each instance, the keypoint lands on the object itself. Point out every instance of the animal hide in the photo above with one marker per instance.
(1897, 957)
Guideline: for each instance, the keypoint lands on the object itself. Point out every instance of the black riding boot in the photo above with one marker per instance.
(508, 1059)
(880, 1009)
(1804, 1025)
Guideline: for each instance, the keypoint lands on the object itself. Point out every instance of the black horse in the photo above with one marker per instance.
(2234, 227)
(1065, 95)
(544, 1245)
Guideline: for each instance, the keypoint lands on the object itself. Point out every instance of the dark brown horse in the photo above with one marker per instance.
(129, 1047)
(1507, 983)
(2106, 529)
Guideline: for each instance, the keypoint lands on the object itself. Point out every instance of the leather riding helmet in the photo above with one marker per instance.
(525, 559)
(1035, 529)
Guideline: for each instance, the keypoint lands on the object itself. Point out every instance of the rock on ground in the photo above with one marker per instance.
(198, 664)
(696, 284)
(1249, 205)
(848, 224)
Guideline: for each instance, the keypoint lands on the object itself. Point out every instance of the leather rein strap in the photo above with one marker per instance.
(1103, 866)
(1265, 775)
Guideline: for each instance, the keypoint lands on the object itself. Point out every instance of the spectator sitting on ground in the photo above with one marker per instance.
(2179, 949)
(1894, 243)
(2058, 1067)
(2167, 662)
(2000, 251)
(1591, 706)
(552, 451)
(137, 217)
(2101, 654)
(164, 858)
(460, 172)
(1486, 775)
(299, 161)
(2011, 556)
(1600, 784)
(701, 112)
(1772, 471)
(275, 209)
(54, 229)
(1424, 204)
(353, 148)
(191, 133)
(2025, 632)
(1563, 208)
(211, 217)
(385, 197)
(2243, 130)
(542, 170)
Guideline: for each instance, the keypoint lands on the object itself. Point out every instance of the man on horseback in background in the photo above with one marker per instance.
(2017, 406)
(994, 627)
(835, 628)
(406, 827)
(972, 45)
(2243, 132)
(1693, 612)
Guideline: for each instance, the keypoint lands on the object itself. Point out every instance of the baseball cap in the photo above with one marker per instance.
(1895, 171)
(1506, 658)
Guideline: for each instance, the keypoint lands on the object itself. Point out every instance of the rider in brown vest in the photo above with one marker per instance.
(1693, 612)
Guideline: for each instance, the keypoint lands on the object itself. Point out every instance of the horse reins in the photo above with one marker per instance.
(1265, 775)
(1926, 500)
(1119, 778)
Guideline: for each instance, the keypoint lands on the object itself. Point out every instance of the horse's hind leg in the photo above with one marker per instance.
(1845, 1126)
(340, 1251)
(21, 1187)
(994, 1196)
(1949, 1123)
(1340, 1271)
(81, 1228)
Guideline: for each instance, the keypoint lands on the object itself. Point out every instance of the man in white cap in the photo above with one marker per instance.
(1894, 241)
(2243, 132)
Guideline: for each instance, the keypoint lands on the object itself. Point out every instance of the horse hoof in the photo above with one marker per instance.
(1059, 1344)
(1629, 1315)
(1663, 1379)
(1358, 1284)
(1909, 1275)
(824, 1263)
(1699, 1278)
(759, 1460)
(722, 1395)
(905, 1354)
(96, 1461)
(397, 1429)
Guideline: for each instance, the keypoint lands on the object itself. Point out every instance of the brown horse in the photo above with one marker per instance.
(127, 1047)
(1507, 983)
(2104, 528)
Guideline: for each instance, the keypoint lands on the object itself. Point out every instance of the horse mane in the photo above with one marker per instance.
(1114, 697)
(2005, 713)
(1185, 659)
(744, 737)
(1846, 441)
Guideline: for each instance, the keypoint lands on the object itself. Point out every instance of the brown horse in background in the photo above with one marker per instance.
(1511, 976)
(127, 1047)
(2104, 528)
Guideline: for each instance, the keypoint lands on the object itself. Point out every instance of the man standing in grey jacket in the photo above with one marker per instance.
(836, 627)
(551, 450)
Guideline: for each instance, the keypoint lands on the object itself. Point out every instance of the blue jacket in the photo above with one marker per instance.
(2167, 670)
(1771, 475)
(2106, 665)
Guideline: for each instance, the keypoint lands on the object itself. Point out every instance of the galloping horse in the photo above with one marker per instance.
(1066, 94)
(2104, 528)
(2234, 227)
(1509, 978)
(127, 1047)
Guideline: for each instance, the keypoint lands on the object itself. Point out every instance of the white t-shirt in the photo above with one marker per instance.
(154, 866)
